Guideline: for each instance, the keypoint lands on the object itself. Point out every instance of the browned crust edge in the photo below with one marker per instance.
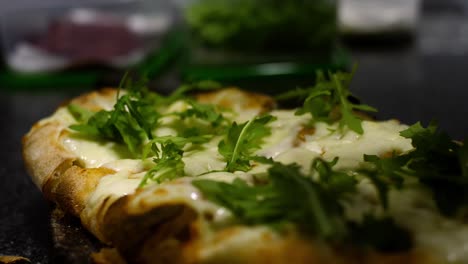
(234, 98)
(53, 168)
(42, 150)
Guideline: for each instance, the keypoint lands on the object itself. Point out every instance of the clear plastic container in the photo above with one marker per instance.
(236, 40)
(267, 26)
(361, 17)
(49, 36)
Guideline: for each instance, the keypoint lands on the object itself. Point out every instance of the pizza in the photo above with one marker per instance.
(221, 175)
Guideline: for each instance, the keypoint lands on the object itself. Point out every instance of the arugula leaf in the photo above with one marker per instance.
(386, 173)
(79, 113)
(179, 142)
(135, 119)
(335, 182)
(289, 197)
(183, 90)
(205, 112)
(329, 101)
(131, 121)
(382, 234)
(169, 163)
(242, 141)
(436, 161)
(137, 113)
(433, 145)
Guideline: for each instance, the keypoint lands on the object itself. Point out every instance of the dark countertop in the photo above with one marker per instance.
(420, 81)
(24, 214)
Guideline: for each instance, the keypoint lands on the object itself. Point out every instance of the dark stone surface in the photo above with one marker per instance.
(72, 243)
(422, 80)
(24, 214)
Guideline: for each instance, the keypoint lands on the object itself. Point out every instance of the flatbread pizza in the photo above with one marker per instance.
(223, 175)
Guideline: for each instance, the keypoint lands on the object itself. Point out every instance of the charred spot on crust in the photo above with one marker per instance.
(160, 192)
(301, 135)
(208, 216)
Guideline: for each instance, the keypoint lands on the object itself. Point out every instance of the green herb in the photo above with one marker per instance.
(204, 85)
(436, 161)
(206, 112)
(137, 113)
(335, 182)
(131, 121)
(168, 152)
(168, 160)
(81, 114)
(313, 206)
(242, 141)
(180, 142)
(182, 91)
(382, 234)
(331, 101)
(289, 197)
(386, 173)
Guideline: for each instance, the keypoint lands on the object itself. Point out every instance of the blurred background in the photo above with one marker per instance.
(412, 58)
(406, 50)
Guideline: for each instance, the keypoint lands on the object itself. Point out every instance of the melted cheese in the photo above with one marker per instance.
(94, 153)
(379, 138)
(414, 209)
(201, 161)
(284, 132)
(61, 116)
(410, 208)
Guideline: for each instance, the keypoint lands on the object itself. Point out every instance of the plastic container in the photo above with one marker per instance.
(50, 40)
(366, 17)
(239, 40)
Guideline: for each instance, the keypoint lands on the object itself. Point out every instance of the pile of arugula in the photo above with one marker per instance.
(438, 162)
(139, 111)
(241, 142)
(330, 101)
(313, 206)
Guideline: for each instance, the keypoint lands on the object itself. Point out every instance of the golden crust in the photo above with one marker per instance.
(74, 187)
(56, 170)
(13, 260)
(43, 153)
(97, 100)
(153, 232)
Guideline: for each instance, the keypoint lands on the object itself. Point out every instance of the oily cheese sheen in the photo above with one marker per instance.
(173, 221)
